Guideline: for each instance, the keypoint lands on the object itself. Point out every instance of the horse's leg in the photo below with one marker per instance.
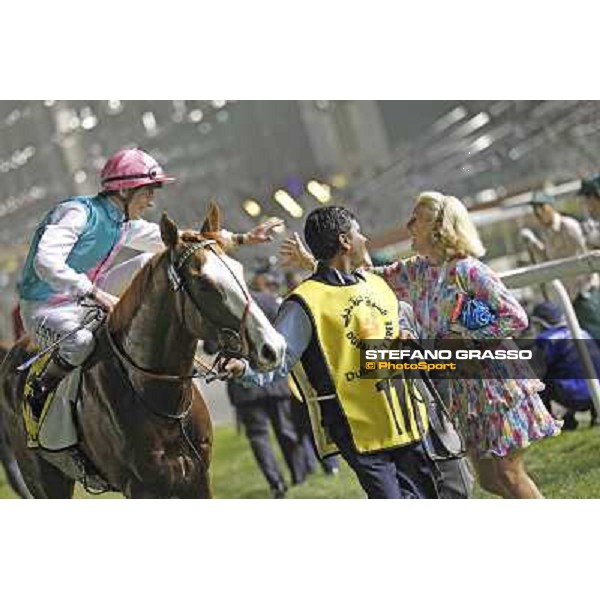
(205, 487)
(41, 478)
(11, 467)
(136, 490)
(201, 437)
(54, 482)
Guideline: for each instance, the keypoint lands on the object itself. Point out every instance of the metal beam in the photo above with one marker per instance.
(552, 272)
(554, 269)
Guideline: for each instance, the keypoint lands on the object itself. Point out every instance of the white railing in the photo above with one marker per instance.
(554, 269)
(551, 272)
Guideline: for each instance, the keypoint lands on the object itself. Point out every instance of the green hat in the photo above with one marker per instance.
(590, 188)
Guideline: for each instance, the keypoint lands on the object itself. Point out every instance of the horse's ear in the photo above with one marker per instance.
(168, 231)
(212, 221)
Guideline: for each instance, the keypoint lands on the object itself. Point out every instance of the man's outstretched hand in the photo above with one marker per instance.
(293, 253)
(230, 368)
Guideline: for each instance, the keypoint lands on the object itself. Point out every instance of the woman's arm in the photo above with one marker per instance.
(399, 276)
(481, 282)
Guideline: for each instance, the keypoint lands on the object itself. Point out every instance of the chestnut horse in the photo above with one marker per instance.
(142, 423)
(7, 459)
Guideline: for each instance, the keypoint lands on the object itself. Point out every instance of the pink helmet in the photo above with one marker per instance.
(131, 168)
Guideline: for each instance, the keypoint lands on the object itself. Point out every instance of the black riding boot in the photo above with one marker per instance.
(56, 369)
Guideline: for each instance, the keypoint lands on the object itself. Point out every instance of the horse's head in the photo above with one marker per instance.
(217, 302)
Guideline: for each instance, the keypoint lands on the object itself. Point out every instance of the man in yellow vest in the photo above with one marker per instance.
(372, 424)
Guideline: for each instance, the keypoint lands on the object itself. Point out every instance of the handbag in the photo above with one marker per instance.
(443, 442)
(471, 312)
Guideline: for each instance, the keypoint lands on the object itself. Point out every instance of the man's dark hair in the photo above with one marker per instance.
(322, 230)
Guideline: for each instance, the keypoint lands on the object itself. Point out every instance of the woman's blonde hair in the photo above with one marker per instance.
(453, 228)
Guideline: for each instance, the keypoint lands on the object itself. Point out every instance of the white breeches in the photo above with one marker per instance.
(47, 322)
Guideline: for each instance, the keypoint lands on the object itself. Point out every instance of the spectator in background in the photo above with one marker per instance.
(563, 373)
(268, 279)
(590, 190)
(562, 237)
(256, 407)
(292, 280)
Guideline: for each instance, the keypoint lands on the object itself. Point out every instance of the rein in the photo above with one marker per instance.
(228, 338)
(180, 417)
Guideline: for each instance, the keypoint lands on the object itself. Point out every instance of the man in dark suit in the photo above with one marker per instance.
(256, 407)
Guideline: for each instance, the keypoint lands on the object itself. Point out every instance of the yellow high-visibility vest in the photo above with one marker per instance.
(378, 415)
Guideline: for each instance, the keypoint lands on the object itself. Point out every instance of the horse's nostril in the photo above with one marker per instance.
(268, 354)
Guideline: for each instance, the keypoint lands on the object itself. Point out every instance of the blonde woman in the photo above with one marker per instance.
(499, 416)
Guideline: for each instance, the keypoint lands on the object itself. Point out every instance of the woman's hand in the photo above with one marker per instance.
(293, 253)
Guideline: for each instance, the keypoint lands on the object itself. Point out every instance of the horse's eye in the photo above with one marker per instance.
(203, 283)
(206, 285)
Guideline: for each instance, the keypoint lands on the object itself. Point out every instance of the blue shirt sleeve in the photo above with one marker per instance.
(295, 326)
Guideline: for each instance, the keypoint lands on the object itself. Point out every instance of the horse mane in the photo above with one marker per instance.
(131, 299)
(196, 236)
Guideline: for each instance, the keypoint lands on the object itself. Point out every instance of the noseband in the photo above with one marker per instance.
(231, 344)
(230, 341)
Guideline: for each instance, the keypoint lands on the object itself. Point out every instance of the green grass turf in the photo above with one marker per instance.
(564, 467)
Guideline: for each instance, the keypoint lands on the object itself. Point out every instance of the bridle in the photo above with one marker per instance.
(231, 342)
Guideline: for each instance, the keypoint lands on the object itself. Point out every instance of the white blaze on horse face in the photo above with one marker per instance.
(267, 346)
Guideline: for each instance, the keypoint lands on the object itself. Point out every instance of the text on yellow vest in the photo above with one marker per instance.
(379, 413)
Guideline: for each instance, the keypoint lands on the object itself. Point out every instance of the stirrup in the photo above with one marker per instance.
(32, 422)
(33, 395)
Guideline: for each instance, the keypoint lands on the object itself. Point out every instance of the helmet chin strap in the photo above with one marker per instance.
(125, 198)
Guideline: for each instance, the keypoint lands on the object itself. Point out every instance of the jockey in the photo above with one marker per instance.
(71, 255)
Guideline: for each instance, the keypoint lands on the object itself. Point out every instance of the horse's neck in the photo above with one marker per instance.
(155, 339)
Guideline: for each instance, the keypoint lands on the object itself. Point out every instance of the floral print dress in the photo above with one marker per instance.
(498, 413)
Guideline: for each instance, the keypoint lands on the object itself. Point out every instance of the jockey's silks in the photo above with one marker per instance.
(101, 233)
(377, 415)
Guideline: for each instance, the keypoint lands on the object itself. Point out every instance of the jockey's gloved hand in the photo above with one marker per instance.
(104, 299)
